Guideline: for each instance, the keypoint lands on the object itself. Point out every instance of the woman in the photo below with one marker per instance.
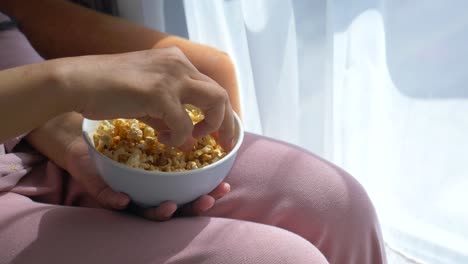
(296, 209)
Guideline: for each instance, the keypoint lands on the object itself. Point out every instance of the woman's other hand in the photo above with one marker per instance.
(80, 166)
(151, 85)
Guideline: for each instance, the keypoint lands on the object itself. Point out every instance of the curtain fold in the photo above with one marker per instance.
(281, 74)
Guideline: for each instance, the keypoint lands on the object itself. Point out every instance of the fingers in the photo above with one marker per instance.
(226, 131)
(163, 212)
(205, 202)
(87, 175)
(202, 204)
(214, 117)
(155, 123)
(222, 189)
(189, 86)
(111, 199)
(176, 119)
(105, 196)
(164, 132)
(213, 99)
(166, 210)
(175, 126)
(188, 144)
(181, 127)
(214, 102)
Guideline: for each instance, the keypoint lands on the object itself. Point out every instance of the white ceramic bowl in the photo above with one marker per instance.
(150, 188)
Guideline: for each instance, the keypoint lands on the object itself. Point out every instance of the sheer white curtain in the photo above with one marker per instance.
(279, 48)
(378, 87)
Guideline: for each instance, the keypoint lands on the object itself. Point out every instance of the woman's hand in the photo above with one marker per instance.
(210, 61)
(61, 140)
(150, 85)
(81, 168)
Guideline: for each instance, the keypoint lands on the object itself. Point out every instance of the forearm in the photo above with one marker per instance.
(53, 138)
(58, 28)
(29, 96)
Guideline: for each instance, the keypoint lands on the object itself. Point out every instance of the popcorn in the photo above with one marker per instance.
(136, 145)
(195, 114)
(135, 132)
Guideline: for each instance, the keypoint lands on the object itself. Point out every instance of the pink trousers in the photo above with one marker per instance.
(286, 206)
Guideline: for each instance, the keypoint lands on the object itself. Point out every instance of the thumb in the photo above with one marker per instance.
(98, 189)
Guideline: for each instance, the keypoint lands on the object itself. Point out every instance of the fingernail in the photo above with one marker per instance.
(228, 187)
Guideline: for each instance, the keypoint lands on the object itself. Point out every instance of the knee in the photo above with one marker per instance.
(266, 244)
(331, 209)
(348, 215)
(276, 245)
(301, 186)
(349, 206)
(327, 195)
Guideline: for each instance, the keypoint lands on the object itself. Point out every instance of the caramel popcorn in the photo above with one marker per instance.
(136, 144)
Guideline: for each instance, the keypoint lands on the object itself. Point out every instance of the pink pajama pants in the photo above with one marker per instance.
(286, 206)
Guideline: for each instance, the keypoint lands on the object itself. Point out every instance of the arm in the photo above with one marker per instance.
(95, 85)
(72, 30)
(23, 90)
(158, 81)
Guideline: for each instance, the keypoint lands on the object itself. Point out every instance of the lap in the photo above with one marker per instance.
(38, 233)
(274, 186)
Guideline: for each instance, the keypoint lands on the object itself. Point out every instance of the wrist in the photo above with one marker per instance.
(60, 79)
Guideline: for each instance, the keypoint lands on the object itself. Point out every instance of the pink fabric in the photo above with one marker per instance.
(286, 206)
(15, 50)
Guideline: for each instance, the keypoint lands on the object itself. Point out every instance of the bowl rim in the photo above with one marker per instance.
(171, 173)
